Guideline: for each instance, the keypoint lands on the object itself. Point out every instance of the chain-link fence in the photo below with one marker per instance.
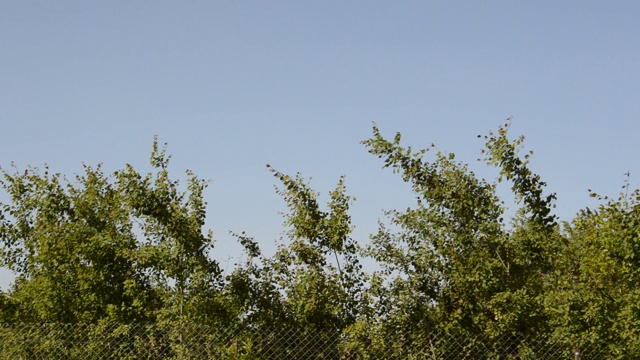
(191, 341)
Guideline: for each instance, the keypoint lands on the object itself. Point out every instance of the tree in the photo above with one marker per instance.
(595, 300)
(315, 280)
(128, 247)
(73, 249)
(123, 247)
(454, 263)
(174, 250)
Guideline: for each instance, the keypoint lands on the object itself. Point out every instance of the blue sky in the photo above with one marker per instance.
(232, 86)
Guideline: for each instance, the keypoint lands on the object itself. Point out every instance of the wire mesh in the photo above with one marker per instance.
(194, 341)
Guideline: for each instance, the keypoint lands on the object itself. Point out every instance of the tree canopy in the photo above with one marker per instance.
(128, 247)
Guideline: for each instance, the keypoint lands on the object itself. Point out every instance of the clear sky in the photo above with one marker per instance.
(234, 85)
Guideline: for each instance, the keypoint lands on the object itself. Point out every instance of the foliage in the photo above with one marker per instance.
(316, 280)
(596, 300)
(127, 247)
(73, 249)
(455, 265)
(124, 247)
